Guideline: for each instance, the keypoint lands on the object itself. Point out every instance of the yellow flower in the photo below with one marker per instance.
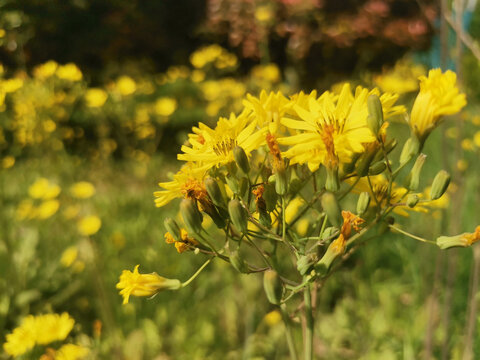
(273, 318)
(95, 97)
(89, 225)
(333, 129)
(438, 96)
(268, 109)
(476, 139)
(43, 189)
(135, 284)
(69, 72)
(186, 242)
(165, 106)
(214, 147)
(401, 79)
(71, 352)
(187, 182)
(11, 85)
(82, 190)
(22, 339)
(46, 70)
(205, 55)
(69, 256)
(8, 162)
(53, 327)
(263, 14)
(126, 85)
(47, 208)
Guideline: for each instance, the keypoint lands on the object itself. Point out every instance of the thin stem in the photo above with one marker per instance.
(288, 333)
(411, 235)
(197, 272)
(308, 355)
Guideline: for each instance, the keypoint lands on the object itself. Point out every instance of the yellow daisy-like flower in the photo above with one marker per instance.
(22, 339)
(214, 147)
(44, 189)
(188, 183)
(268, 109)
(439, 95)
(186, 242)
(332, 129)
(82, 190)
(95, 97)
(89, 225)
(53, 327)
(136, 284)
(71, 352)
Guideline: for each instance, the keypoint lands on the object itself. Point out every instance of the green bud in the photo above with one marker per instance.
(233, 184)
(412, 200)
(243, 187)
(214, 192)
(238, 215)
(363, 202)
(328, 232)
(414, 176)
(270, 197)
(377, 168)
(332, 209)
(217, 218)
(375, 114)
(272, 286)
(410, 149)
(271, 179)
(446, 242)
(322, 267)
(332, 184)
(363, 163)
(241, 159)
(191, 216)
(305, 264)
(281, 182)
(173, 228)
(238, 263)
(439, 185)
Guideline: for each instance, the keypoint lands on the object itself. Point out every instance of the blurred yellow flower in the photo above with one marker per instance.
(269, 73)
(69, 256)
(476, 139)
(11, 85)
(205, 55)
(69, 72)
(49, 125)
(292, 208)
(53, 327)
(95, 97)
(273, 318)
(25, 210)
(44, 189)
(45, 70)
(89, 225)
(401, 79)
(126, 85)
(197, 76)
(47, 208)
(439, 95)
(71, 352)
(2, 33)
(165, 106)
(22, 339)
(8, 162)
(82, 190)
(263, 13)
(135, 284)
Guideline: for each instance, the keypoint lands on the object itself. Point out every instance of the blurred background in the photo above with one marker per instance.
(96, 98)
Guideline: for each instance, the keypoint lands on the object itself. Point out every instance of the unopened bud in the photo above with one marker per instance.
(332, 209)
(412, 200)
(439, 185)
(243, 187)
(272, 286)
(281, 181)
(375, 114)
(363, 202)
(305, 264)
(241, 159)
(214, 192)
(414, 177)
(238, 263)
(377, 168)
(270, 197)
(363, 163)
(410, 149)
(238, 215)
(173, 228)
(328, 232)
(332, 184)
(233, 184)
(191, 216)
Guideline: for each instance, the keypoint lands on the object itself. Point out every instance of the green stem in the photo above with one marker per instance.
(197, 272)
(288, 333)
(309, 319)
(411, 235)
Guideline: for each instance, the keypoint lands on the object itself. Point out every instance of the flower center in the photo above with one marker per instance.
(224, 146)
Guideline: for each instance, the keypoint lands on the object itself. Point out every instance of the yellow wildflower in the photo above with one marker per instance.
(439, 95)
(135, 284)
(269, 73)
(186, 242)
(46, 70)
(11, 85)
(69, 72)
(462, 240)
(69, 256)
(43, 189)
(71, 352)
(205, 55)
(82, 190)
(218, 144)
(95, 97)
(273, 318)
(401, 79)
(263, 13)
(165, 106)
(89, 225)
(476, 139)
(8, 162)
(47, 208)
(22, 339)
(268, 109)
(126, 85)
(53, 327)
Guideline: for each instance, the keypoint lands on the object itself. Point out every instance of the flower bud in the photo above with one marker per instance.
(243, 187)
(412, 200)
(439, 185)
(377, 168)
(270, 196)
(214, 192)
(238, 263)
(363, 163)
(173, 228)
(328, 232)
(375, 114)
(233, 184)
(241, 159)
(238, 215)
(305, 264)
(331, 208)
(410, 149)
(332, 184)
(191, 216)
(363, 202)
(446, 242)
(272, 286)
(414, 176)
(281, 181)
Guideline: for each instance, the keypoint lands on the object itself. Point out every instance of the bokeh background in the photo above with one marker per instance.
(96, 98)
